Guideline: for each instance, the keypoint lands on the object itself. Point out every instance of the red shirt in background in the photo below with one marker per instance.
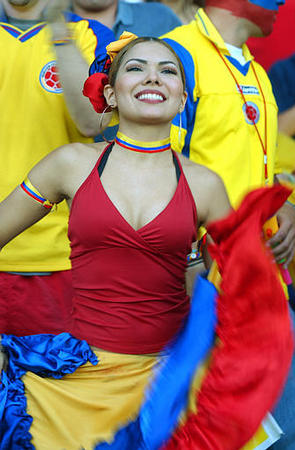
(281, 43)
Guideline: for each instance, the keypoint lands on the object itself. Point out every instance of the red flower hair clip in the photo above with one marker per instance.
(99, 69)
(93, 89)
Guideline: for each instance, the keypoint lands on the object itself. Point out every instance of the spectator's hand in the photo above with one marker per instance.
(54, 10)
(283, 242)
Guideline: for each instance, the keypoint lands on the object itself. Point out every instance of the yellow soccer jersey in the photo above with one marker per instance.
(216, 129)
(33, 122)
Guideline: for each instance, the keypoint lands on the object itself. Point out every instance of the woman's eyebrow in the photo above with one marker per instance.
(163, 63)
(144, 61)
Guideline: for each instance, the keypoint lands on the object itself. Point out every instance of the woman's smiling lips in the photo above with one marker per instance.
(150, 96)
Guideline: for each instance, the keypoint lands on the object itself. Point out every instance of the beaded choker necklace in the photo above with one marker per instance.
(139, 146)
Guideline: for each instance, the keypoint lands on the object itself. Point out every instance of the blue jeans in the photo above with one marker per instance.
(284, 412)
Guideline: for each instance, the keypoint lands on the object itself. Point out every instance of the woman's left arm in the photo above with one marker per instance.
(212, 204)
(211, 198)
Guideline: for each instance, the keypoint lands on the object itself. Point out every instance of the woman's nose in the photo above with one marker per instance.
(152, 77)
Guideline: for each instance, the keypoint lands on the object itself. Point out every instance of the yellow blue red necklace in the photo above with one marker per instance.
(144, 147)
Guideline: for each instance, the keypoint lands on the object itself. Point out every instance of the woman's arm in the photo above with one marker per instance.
(209, 192)
(212, 203)
(19, 210)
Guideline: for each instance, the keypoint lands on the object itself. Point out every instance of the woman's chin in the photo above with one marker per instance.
(153, 118)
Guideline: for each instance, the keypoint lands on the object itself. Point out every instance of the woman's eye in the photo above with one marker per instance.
(133, 69)
(169, 71)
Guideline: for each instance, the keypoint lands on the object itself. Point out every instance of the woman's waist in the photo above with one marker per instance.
(138, 340)
(129, 327)
(99, 352)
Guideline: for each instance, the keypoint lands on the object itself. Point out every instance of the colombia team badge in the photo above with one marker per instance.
(251, 112)
(49, 78)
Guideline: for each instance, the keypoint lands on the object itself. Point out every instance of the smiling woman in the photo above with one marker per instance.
(137, 85)
(135, 207)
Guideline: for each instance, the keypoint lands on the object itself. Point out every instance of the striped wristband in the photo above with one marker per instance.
(58, 42)
(29, 189)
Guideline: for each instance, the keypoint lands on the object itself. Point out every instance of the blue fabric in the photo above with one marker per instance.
(282, 77)
(188, 116)
(273, 5)
(128, 438)
(244, 69)
(291, 291)
(168, 395)
(144, 19)
(15, 423)
(104, 34)
(46, 355)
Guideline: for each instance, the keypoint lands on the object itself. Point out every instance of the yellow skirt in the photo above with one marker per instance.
(87, 407)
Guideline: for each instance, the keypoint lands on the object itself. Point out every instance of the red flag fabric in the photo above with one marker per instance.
(251, 360)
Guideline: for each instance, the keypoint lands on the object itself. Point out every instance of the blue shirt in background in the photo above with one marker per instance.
(282, 77)
(144, 19)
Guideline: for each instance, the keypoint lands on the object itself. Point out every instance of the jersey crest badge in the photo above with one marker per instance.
(49, 79)
(251, 113)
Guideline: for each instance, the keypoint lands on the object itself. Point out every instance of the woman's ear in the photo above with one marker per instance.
(183, 101)
(110, 96)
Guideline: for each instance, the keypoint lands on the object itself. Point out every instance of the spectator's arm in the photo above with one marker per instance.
(73, 71)
(285, 155)
(287, 121)
(283, 242)
(282, 76)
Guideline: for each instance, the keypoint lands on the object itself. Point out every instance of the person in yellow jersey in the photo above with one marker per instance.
(44, 63)
(230, 120)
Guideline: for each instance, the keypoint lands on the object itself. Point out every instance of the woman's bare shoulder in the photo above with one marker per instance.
(77, 152)
(208, 191)
(65, 163)
(198, 175)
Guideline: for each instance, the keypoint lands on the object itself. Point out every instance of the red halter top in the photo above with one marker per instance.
(129, 293)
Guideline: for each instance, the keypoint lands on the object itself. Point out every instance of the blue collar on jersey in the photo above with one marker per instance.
(272, 5)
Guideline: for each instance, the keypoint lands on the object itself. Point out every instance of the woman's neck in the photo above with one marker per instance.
(143, 145)
(140, 146)
(145, 133)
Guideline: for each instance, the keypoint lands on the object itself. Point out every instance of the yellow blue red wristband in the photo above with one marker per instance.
(29, 189)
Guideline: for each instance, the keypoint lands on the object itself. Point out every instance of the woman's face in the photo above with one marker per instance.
(148, 87)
